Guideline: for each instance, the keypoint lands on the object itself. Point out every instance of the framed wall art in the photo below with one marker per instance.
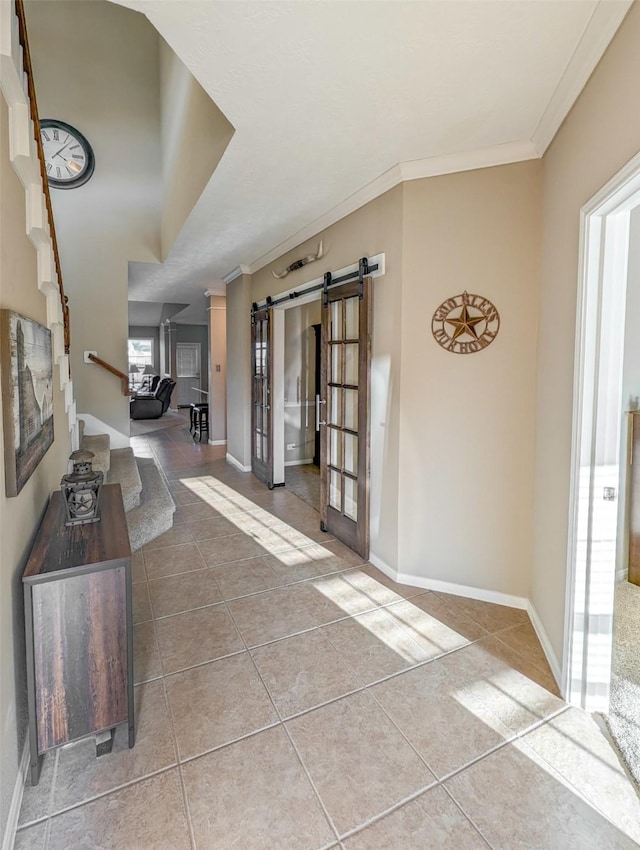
(27, 396)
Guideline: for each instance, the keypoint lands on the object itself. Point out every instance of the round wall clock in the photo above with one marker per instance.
(68, 155)
(465, 324)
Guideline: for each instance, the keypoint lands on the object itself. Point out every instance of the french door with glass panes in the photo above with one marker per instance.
(344, 443)
(261, 414)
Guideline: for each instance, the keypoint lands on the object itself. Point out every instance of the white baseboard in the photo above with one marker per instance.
(237, 464)
(622, 575)
(484, 596)
(383, 566)
(217, 442)
(469, 592)
(545, 643)
(93, 425)
(11, 826)
(449, 587)
(305, 462)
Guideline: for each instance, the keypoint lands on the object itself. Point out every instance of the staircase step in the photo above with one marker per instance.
(124, 471)
(99, 444)
(154, 515)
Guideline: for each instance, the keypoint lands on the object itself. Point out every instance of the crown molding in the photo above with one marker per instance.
(602, 26)
(403, 171)
(234, 273)
(468, 161)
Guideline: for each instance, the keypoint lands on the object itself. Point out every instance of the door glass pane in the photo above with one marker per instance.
(351, 364)
(351, 453)
(265, 394)
(335, 448)
(258, 442)
(336, 320)
(265, 449)
(351, 499)
(351, 316)
(351, 409)
(334, 412)
(336, 364)
(335, 497)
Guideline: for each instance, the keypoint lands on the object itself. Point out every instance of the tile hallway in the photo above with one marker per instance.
(291, 697)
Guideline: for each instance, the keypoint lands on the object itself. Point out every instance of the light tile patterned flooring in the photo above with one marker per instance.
(291, 697)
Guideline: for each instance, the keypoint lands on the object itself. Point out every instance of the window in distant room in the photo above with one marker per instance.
(140, 355)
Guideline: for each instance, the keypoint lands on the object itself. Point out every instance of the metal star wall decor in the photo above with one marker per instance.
(465, 324)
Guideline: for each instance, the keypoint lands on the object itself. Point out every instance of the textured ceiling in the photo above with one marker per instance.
(152, 313)
(327, 96)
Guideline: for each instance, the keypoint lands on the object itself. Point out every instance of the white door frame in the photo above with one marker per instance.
(597, 419)
(278, 382)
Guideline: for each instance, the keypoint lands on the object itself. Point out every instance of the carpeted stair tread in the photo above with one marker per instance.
(154, 515)
(100, 445)
(124, 471)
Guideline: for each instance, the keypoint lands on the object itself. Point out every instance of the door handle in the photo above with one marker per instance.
(319, 401)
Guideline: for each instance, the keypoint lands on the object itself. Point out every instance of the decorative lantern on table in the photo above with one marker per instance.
(81, 490)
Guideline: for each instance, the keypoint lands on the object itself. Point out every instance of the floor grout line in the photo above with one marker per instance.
(102, 794)
(468, 817)
(286, 731)
(183, 790)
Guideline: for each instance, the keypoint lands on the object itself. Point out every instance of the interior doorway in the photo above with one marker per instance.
(188, 373)
(341, 410)
(301, 391)
(603, 391)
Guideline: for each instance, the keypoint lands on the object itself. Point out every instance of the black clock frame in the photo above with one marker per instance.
(81, 179)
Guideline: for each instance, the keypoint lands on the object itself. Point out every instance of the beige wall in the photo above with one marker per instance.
(375, 228)
(195, 134)
(218, 380)
(601, 133)
(239, 370)
(452, 436)
(115, 217)
(19, 516)
(467, 421)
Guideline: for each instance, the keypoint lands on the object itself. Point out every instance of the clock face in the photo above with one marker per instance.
(68, 155)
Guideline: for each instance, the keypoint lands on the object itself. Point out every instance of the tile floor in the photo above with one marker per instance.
(291, 697)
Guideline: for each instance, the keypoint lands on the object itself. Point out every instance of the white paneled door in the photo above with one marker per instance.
(188, 373)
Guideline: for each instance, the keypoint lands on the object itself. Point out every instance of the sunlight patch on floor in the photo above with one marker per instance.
(344, 595)
(389, 633)
(275, 536)
(427, 630)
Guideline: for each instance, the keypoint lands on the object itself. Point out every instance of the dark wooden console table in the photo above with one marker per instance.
(79, 628)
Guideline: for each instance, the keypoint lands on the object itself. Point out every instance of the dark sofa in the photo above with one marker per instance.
(152, 405)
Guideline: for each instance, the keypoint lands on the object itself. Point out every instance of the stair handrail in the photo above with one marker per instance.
(122, 375)
(33, 104)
